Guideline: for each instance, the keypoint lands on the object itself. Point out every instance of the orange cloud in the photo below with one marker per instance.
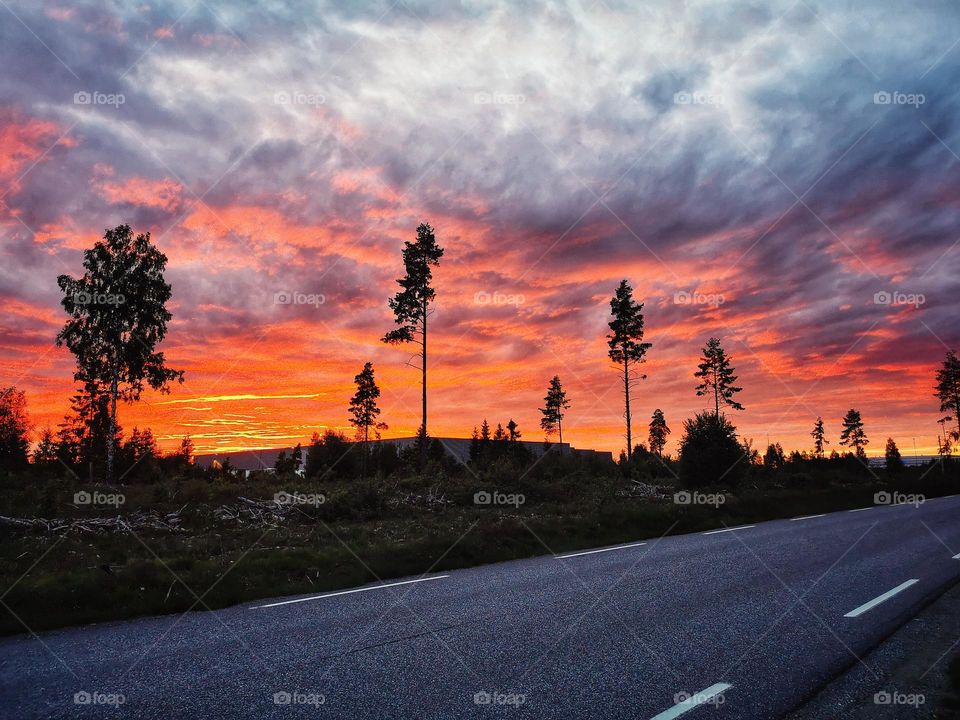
(25, 141)
(163, 194)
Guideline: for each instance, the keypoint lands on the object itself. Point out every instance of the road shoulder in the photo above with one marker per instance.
(906, 676)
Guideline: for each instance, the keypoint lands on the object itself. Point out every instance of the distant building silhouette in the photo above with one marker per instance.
(458, 448)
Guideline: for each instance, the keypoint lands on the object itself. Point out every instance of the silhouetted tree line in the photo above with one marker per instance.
(117, 316)
(501, 446)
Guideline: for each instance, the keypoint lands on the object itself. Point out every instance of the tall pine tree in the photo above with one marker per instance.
(411, 309)
(948, 388)
(555, 403)
(626, 346)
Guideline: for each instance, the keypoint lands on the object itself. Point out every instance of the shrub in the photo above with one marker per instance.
(710, 453)
(331, 456)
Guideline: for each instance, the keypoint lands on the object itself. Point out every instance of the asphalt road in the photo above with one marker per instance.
(750, 622)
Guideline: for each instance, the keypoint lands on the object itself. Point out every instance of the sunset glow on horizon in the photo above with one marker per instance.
(767, 193)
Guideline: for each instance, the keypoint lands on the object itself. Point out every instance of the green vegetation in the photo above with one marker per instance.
(191, 535)
(950, 701)
(710, 453)
(117, 316)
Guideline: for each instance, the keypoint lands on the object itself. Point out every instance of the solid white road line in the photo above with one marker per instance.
(704, 696)
(807, 517)
(348, 592)
(883, 598)
(591, 552)
(742, 527)
(860, 509)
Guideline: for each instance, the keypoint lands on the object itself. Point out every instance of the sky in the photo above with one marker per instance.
(781, 175)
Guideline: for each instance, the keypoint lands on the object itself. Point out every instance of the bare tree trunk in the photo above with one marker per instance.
(112, 432)
(363, 458)
(560, 427)
(716, 392)
(956, 407)
(626, 393)
(423, 424)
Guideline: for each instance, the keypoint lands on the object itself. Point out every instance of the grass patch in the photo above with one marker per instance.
(363, 531)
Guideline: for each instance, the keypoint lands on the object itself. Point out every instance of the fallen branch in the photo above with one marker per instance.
(136, 522)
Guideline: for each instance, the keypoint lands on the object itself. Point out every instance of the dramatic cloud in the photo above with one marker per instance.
(781, 175)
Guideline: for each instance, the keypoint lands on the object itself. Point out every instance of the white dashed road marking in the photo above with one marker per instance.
(883, 598)
(591, 552)
(348, 592)
(742, 527)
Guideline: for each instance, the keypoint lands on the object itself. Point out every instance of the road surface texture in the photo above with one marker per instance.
(741, 623)
(912, 661)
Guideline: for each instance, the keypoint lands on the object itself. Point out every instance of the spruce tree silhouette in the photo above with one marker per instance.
(717, 376)
(819, 438)
(555, 403)
(658, 431)
(853, 435)
(364, 410)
